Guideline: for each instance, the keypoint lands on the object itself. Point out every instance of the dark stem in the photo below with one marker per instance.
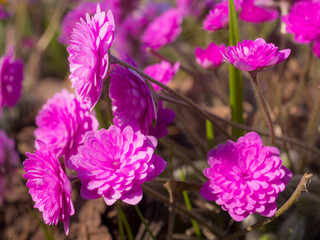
(263, 105)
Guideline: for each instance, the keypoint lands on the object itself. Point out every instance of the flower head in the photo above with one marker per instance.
(11, 76)
(163, 72)
(163, 30)
(131, 98)
(250, 12)
(211, 56)
(89, 58)
(113, 164)
(254, 55)
(9, 159)
(62, 123)
(245, 177)
(3, 14)
(303, 21)
(49, 186)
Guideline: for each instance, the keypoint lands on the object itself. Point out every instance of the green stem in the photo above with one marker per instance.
(120, 223)
(144, 222)
(209, 134)
(126, 224)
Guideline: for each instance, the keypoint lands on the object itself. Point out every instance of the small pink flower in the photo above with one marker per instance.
(9, 159)
(254, 55)
(250, 12)
(3, 14)
(245, 177)
(303, 21)
(163, 30)
(49, 186)
(89, 55)
(11, 76)
(163, 72)
(113, 164)
(211, 56)
(131, 98)
(62, 123)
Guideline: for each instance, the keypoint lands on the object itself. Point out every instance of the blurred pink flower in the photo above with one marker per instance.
(254, 55)
(250, 12)
(113, 164)
(191, 7)
(9, 159)
(62, 123)
(245, 177)
(11, 76)
(163, 72)
(303, 21)
(163, 30)
(211, 56)
(89, 55)
(131, 98)
(49, 186)
(3, 13)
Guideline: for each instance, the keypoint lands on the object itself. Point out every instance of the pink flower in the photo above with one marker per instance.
(218, 17)
(303, 21)
(211, 56)
(9, 159)
(163, 30)
(256, 14)
(89, 58)
(62, 123)
(3, 14)
(131, 98)
(245, 177)
(11, 76)
(165, 117)
(49, 186)
(163, 72)
(113, 164)
(254, 55)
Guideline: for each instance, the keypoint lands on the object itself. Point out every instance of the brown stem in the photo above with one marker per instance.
(263, 105)
(175, 93)
(301, 187)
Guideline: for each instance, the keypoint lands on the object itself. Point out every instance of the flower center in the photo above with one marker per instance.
(245, 174)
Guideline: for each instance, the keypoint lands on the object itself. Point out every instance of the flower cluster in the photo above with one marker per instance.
(113, 164)
(11, 76)
(245, 177)
(211, 56)
(89, 58)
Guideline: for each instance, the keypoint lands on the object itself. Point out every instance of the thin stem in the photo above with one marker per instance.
(143, 220)
(120, 223)
(209, 134)
(263, 105)
(175, 93)
(126, 224)
(302, 186)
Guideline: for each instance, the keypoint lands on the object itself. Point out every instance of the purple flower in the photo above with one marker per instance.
(163, 30)
(3, 14)
(62, 123)
(163, 72)
(11, 76)
(250, 12)
(245, 177)
(131, 98)
(304, 21)
(113, 164)
(9, 159)
(165, 117)
(211, 56)
(218, 17)
(254, 55)
(49, 186)
(89, 58)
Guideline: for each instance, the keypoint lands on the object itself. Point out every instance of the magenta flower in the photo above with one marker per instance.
(11, 76)
(163, 72)
(250, 12)
(113, 164)
(303, 21)
(163, 30)
(255, 55)
(131, 98)
(89, 58)
(211, 56)
(49, 186)
(245, 177)
(62, 123)
(9, 159)
(3, 14)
